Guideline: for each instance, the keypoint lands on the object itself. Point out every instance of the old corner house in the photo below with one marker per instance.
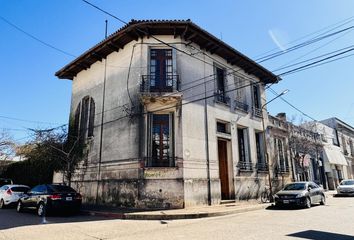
(172, 117)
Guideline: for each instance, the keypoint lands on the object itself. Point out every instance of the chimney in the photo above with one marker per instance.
(281, 116)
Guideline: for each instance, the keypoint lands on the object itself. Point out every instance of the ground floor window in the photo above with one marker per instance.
(280, 155)
(244, 162)
(161, 141)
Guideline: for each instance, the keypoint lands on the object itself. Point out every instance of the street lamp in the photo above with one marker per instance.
(265, 152)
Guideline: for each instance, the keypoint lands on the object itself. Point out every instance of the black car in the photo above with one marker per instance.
(300, 194)
(49, 198)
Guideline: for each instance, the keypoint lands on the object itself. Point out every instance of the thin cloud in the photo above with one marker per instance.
(275, 39)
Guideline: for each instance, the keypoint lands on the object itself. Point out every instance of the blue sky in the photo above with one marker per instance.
(30, 91)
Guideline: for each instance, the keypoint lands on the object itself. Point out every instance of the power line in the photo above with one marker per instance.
(314, 63)
(310, 59)
(291, 105)
(316, 39)
(279, 53)
(35, 38)
(308, 53)
(29, 121)
(340, 24)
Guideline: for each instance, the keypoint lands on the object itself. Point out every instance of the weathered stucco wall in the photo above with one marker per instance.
(122, 180)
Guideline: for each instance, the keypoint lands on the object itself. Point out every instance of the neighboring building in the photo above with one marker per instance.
(306, 151)
(182, 121)
(279, 152)
(341, 137)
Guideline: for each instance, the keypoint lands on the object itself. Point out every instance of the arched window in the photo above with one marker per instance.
(84, 118)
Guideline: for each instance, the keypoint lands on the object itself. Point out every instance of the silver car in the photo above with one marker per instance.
(346, 187)
(302, 194)
(9, 194)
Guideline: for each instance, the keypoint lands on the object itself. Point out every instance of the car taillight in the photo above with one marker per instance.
(9, 192)
(78, 196)
(54, 197)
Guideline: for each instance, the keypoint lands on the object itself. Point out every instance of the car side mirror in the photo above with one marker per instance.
(309, 188)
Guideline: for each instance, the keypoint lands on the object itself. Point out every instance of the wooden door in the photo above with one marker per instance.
(223, 169)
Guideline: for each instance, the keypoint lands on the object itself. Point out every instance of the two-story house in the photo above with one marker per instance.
(342, 139)
(172, 117)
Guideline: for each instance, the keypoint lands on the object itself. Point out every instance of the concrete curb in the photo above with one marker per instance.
(164, 215)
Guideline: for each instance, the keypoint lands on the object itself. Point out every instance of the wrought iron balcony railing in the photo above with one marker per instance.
(244, 166)
(262, 167)
(257, 112)
(283, 169)
(222, 98)
(159, 84)
(241, 106)
(160, 162)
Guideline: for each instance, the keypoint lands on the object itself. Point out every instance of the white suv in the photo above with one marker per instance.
(9, 194)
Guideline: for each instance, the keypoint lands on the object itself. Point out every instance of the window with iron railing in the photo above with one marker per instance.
(220, 94)
(161, 77)
(161, 141)
(245, 166)
(241, 106)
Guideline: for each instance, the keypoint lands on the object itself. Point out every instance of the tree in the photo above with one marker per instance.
(303, 140)
(56, 145)
(7, 145)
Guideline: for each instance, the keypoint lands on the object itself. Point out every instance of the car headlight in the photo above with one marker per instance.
(300, 195)
(276, 196)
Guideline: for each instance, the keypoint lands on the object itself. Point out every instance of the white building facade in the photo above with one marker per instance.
(172, 117)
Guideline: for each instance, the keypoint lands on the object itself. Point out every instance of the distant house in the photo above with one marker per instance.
(172, 117)
(340, 138)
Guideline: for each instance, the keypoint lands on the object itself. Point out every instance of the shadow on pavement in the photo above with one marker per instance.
(320, 235)
(9, 218)
(290, 207)
(343, 196)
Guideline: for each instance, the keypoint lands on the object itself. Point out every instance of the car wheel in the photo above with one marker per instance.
(19, 207)
(2, 204)
(41, 209)
(323, 200)
(308, 202)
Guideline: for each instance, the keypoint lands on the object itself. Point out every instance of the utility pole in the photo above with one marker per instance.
(102, 118)
(265, 143)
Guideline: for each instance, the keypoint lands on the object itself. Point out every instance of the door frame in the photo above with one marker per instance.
(230, 186)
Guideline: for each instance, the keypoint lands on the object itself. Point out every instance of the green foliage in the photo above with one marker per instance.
(50, 151)
(30, 172)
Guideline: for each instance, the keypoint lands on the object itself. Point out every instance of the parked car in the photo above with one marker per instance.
(49, 198)
(5, 181)
(300, 194)
(9, 194)
(346, 187)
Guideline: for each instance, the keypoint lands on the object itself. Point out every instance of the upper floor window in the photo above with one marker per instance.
(220, 85)
(241, 97)
(84, 118)
(257, 106)
(161, 76)
(256, 96)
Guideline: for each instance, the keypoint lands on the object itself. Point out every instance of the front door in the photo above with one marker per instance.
(223, 169)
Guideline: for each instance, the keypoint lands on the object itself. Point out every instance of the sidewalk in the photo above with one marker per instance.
(174, 214)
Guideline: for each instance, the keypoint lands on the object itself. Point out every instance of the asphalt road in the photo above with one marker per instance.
(334, 221)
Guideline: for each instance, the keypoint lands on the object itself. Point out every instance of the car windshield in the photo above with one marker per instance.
(60, 188)
(350, 182)
(19, 189)
(295, 186)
